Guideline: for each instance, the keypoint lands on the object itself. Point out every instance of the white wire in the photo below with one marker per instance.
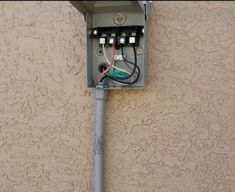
(121, 70)
(116, 82)
(105, 56)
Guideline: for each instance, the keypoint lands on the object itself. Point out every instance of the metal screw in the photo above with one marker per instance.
(120, 18)
(139, 51)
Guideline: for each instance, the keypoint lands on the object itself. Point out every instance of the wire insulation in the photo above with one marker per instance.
(101, 75)
(107, 60)
(119, 79)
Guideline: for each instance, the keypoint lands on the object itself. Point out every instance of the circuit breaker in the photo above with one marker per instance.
(117, 42)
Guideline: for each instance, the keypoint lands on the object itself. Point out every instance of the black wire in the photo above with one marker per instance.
(124, 82)
(133, 72)
(135, 64)
(128, 83)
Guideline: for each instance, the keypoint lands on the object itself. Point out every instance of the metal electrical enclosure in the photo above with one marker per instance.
(124, 25)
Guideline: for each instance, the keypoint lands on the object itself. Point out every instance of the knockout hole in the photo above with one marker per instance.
(102, 67)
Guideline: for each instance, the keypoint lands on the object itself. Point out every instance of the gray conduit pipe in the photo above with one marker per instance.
(100, 97)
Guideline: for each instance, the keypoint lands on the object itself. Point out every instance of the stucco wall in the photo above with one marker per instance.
(177, 135)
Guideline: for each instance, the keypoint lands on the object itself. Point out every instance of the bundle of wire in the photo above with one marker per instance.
(121, 76)
(99, 78)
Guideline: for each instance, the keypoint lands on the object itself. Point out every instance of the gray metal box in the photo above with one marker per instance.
(120, 17)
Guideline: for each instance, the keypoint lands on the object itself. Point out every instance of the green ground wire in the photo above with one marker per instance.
(114, 74)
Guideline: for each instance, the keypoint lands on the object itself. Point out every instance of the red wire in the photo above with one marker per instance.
(109, 67)
(101, 75)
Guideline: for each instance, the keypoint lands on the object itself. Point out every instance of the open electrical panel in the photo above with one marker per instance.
(117, 39)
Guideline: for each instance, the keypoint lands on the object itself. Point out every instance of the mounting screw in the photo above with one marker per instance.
(90, 83)
(139, 51)
(120, 18)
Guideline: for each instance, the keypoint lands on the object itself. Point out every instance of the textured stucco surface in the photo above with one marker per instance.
(177, 135)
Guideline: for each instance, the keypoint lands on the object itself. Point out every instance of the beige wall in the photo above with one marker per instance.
(177, 135)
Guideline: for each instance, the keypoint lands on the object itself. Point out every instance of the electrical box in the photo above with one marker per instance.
(117, 42)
